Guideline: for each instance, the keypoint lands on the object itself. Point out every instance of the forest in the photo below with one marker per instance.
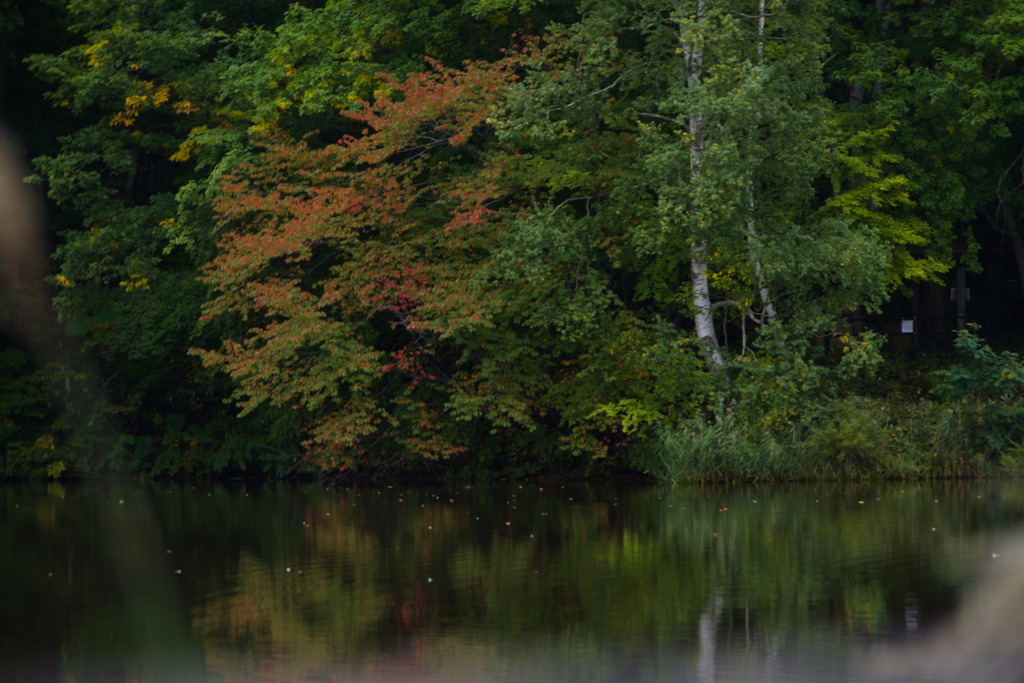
(708, 240)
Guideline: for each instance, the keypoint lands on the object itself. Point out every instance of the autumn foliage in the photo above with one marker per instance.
(386, 261)
(350, 269)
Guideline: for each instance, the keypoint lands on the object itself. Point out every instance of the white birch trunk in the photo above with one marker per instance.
(704, 316)
(768, 309)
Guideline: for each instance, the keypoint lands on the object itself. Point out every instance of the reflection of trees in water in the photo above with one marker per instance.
(710, 575)
(301, 581)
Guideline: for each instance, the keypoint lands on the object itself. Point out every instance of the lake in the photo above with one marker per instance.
(297, 582)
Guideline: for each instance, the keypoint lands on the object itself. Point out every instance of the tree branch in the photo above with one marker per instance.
(658, 116)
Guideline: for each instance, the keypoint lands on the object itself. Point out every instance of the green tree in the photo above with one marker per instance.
(934, 95)
(721, 187)
(142, 85)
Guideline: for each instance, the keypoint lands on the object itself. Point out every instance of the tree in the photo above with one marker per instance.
(722, 190)
(346, 263)
(933, 95)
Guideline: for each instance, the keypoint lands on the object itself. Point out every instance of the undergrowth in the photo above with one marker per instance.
(969, 423)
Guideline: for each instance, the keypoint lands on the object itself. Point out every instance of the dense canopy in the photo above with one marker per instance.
(508, 237)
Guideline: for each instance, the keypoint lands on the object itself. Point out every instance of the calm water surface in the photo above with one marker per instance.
(504, 583)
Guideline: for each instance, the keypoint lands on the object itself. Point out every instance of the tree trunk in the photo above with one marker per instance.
(768, 310)
(704, 316)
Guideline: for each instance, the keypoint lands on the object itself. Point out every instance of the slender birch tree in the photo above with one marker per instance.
(738, 101)
(704, 321)
(768, 308)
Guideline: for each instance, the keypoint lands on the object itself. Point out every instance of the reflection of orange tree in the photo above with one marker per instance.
(409, 533)
(413, 608)
(278, 614)
(361, 573)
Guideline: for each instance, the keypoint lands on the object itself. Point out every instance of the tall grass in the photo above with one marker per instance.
(851, 438)
(724, 450)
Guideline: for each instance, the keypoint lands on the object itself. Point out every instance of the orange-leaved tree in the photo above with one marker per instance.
(346, 270)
